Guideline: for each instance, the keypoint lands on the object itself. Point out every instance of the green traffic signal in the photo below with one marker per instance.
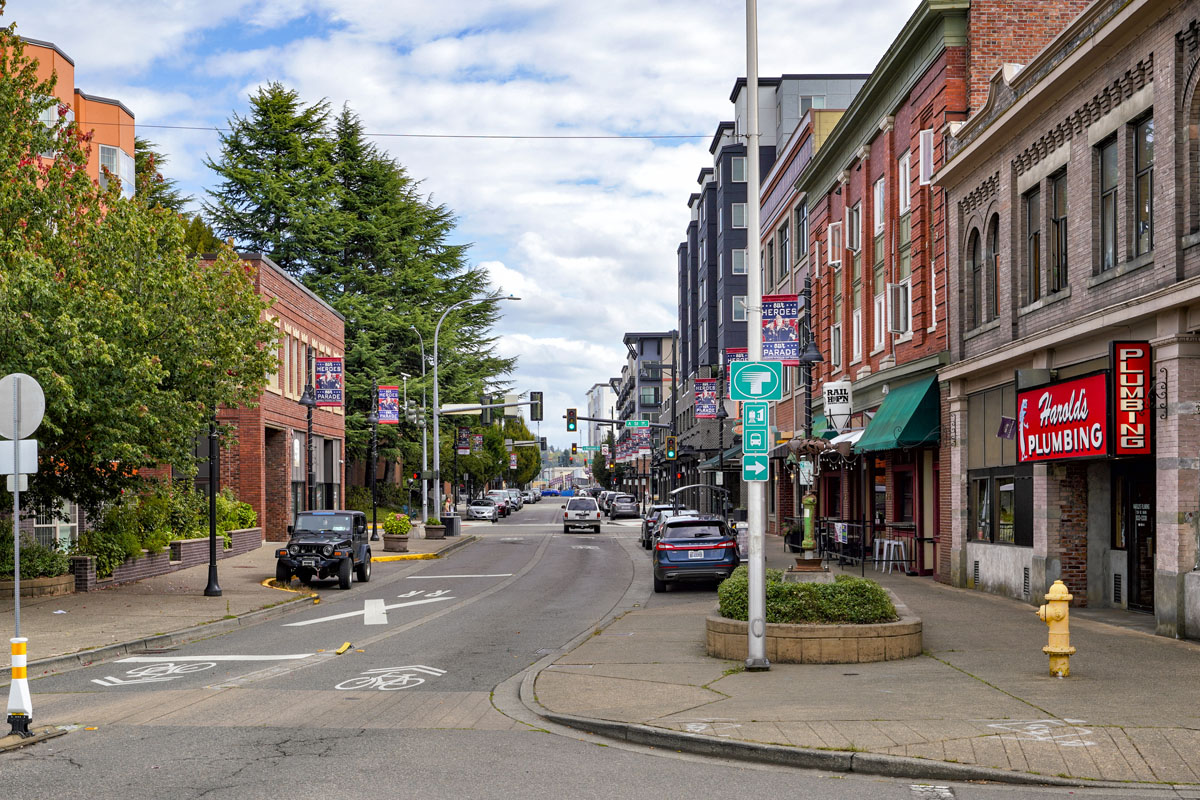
(572, 420)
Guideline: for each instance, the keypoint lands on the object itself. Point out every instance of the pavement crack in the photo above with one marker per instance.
(991, 685)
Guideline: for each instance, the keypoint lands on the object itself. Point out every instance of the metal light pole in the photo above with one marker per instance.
(424, 433)
(810, 356)
(373, 418)
(756, 645)
(213, 589)
(437, 408)
(309, 400)
(722, 415)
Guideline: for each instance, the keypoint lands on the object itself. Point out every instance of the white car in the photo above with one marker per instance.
(483, 508)
(581, 512)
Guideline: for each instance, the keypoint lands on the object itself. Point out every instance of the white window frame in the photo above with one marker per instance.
(835, 243)
(835, 346)
(900, 307)
(854, 228)
(815, 258)
(904, 181)
(734, 315)
(878, 210)
(856, 336)
(733, 261)
(733, 215)
(926, 157)
(880, 320)
(703, 292)
(734, 163)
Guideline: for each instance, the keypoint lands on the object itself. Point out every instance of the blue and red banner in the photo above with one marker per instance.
(389, 405)
(706, 398)
(330, 382)
(781, 329)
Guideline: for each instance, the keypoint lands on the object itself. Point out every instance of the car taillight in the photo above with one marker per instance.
(713, 546)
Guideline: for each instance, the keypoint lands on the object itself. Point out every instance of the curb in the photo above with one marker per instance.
(12, 742)
(463, 541)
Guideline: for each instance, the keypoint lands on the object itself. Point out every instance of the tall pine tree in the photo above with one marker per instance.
(152, 186)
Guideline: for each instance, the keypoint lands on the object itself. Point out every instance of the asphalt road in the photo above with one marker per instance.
(423, 703)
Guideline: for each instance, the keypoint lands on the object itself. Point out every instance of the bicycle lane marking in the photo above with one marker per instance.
(387, 679)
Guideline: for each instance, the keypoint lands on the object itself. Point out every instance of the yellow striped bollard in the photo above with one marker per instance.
(20, 707)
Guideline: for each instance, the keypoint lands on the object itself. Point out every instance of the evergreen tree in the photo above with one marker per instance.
(277, 192)
(199, 237)
(152, 187)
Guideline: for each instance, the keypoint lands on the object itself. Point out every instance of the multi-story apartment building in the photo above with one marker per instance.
(108, 121)
(602, 404)
(646, 379)
(878, 260)
(1070, 400)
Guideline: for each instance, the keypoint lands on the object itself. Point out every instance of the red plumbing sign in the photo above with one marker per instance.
(1131, 398)
(1064, 420)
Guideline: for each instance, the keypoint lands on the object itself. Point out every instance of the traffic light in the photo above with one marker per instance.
(411, 413)
(542, 443)
(535, 406)
(669, 448)
(572, 420)
(416, 476)
(574, 448)
(485, 414)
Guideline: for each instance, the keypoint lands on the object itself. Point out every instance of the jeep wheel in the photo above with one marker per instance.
(344, 573)
(363, 570)
(282, 574)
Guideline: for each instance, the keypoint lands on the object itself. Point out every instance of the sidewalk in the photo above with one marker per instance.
(978, 704)
(82, 628)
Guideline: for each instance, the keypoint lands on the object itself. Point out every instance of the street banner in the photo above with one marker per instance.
(512, 461)
(643, 442)
(463, 445)
(389, 405)
(706, 398)
(1131, 398)
(1064, 420)
(330, 383)
(733, 354)
(781, 329)
(476, 443)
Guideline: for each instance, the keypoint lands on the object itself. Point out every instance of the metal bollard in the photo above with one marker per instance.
(1055, 613)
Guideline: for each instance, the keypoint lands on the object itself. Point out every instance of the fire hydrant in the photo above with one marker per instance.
(1055, 614)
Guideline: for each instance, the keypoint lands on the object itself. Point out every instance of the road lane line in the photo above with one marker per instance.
(374, 612)
(349, 614)
(172, 657)
(435, 577)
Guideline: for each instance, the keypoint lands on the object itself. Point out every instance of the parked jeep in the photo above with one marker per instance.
(324, 544)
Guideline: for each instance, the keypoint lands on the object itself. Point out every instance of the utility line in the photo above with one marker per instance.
(436, 135)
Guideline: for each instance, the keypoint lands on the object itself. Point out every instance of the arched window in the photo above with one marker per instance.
(975, 271)
(992, 277)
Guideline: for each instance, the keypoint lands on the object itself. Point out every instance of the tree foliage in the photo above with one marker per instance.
(133, 341)
(155, 189)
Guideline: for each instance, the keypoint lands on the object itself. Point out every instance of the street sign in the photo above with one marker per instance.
(756, 431)
(589, 447)
(756, 380)
(31, 403)
(755, 414)
(28, 452)
(754, 467)
(755, 441)
(637, 423)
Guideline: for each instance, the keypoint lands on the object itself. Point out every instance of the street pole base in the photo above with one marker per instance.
(20, 725)
(757, 665)
(213, 589)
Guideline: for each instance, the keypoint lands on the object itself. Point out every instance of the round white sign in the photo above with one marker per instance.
(838, 404)
(30, 405)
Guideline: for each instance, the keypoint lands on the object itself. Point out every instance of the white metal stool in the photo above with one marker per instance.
(895, 553)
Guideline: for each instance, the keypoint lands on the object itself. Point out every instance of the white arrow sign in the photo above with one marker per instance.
(375, 609)
(755, 467)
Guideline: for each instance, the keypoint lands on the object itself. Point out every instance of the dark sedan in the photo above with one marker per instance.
(624, 505)
(693, 548)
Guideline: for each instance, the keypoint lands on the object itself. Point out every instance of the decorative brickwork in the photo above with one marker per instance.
(1073, 528)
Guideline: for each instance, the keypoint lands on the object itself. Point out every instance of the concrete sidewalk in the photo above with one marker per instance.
(83, 628)
(979, 704)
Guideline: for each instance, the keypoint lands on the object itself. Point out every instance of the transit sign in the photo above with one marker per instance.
(756, 431)
(756, 380)
(754, 467)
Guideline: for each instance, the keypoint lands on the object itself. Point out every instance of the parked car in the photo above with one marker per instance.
(500, 498)
(606, 498)
(694, 548)
(581, 512)
(515, 496)
(549, 492)
(624, 505)
(651, 518)
(325, 544)
(664, 515)
(483, 508)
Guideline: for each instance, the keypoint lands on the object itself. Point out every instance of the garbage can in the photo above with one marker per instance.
(453, 524)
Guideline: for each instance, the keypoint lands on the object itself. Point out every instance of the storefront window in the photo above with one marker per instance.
(1005, 509)
(904, 495)
(994, 510)
(981, 506)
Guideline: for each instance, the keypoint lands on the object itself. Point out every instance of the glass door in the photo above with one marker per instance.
(1139, 516)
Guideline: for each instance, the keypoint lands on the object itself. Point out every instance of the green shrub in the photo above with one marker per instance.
(846, 600)
(114, 539)
(397, 524)
(358, 498)
(391, 495)
(37, 560)
(433, 521)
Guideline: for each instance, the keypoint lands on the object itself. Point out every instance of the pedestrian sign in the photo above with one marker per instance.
(756, 380)
(754, 467)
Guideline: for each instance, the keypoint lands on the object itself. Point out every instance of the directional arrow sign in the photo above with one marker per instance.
(754, 467)
(756, 380)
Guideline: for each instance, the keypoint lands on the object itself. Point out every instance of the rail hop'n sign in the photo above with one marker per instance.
(1131, 398)
(1064, 420)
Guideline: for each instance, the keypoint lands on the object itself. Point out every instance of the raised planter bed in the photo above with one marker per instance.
(180, 554)
(820, 644)
(41, 587)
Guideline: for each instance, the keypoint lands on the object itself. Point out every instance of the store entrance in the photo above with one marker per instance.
(1134, 496)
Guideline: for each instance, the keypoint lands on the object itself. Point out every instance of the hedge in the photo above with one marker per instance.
(846, 600)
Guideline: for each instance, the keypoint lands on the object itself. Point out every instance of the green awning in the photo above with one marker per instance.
(909, 416)
(821, 429)
(731, 460)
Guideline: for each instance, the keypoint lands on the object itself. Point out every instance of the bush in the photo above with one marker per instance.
(358, 498)
(37, 560)
(846, 600)
(114, 539)
(397, 524)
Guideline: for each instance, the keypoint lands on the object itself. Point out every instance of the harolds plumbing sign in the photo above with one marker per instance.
(1064, 420)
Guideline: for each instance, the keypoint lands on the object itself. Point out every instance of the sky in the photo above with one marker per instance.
(584, 230)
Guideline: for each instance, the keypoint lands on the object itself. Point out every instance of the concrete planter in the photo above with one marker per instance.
(435, 531)
(820, 644)
(393, 543)
(41, 587)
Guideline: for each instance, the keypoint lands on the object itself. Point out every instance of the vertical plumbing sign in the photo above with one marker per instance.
(1131, 398)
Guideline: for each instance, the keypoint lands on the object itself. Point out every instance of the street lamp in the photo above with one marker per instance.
(437, 408)
(213, 589)
(722, 415)
(373, 418)
(424, 432)
(810, 355)
(308, 399)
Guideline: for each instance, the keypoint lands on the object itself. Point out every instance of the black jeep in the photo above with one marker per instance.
(323, 544)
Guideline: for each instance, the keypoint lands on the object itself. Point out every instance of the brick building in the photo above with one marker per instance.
(877, 244)
(1074, 225)
(266, 467)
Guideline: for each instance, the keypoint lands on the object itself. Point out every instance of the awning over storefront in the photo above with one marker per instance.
(909, 416)
(731, 460)
(851, 437)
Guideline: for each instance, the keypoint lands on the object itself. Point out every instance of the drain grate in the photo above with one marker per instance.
(1025, 581)
(1117, 580)
(975, 574)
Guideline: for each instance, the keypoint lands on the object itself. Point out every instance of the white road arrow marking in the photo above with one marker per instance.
(349, 614)
(109, 680)
(584, 547)
(374, 612)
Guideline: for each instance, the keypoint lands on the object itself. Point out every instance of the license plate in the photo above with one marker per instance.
(308, 562)
(695, 554)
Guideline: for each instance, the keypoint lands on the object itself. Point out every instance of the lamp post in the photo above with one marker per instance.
(213, 589)
(308, 399)
(809, 356)
(437, 408)
(373, 418)
(424, 433)
(722, 415)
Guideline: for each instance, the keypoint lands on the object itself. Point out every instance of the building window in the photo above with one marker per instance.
(878, 210)
(879, 321)
(811, 101)
(1108, 205)
(975, 270)
(784, 257)
(739, 308)
(993, 256)
(854, 228)
(1033, 244)
(856, 333)
(993, 508)
(648, 395)
(835, 346)
(738, 266)
(904, 183)
(1058, 232)
(899, 300)
(739, 215)
(1144, 186)
(835, 243)
(703, 292)
(769, 277)
(925, 157)
(801, 241)
(737, 169)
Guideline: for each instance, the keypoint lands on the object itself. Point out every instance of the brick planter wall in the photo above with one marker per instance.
(41, 587)
(181, 554)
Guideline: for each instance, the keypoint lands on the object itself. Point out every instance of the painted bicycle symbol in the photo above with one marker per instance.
(154, 673)
(390, 679)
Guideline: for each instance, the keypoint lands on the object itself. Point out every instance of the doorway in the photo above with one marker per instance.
(1133, 496)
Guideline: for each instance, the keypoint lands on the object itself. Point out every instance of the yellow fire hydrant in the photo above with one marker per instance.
(1055, 614)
